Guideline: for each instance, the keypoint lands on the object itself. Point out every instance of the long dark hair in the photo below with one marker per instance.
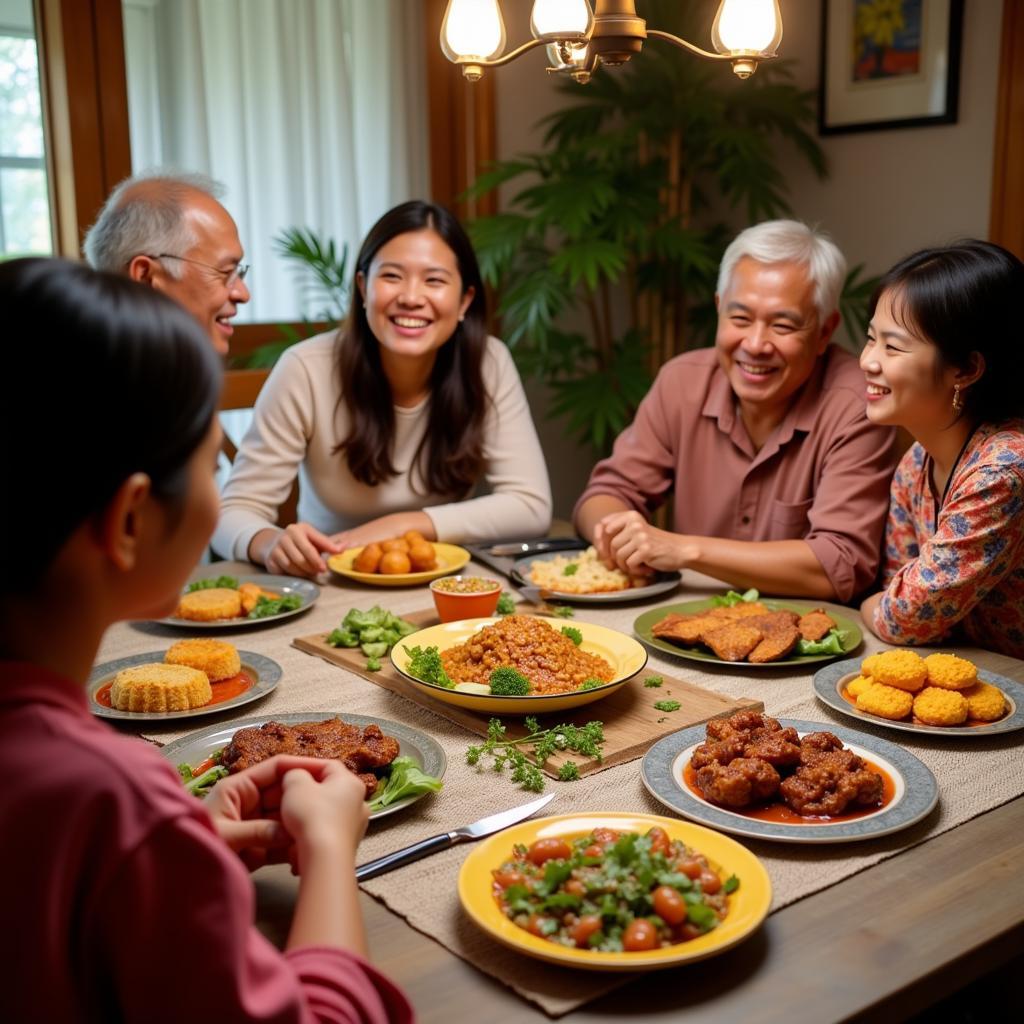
(450, 456)
(106, 378)
(964, 298)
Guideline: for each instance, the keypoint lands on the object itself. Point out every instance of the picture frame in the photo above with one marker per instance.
(887, 66)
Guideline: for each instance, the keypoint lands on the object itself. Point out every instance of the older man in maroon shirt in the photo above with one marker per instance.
(779, 480)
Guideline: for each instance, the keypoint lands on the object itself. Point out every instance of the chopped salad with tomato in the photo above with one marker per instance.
(613, 891)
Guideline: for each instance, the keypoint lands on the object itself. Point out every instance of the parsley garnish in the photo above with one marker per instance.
(667, 705)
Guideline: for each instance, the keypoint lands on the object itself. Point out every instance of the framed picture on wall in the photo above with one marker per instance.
(888, 64)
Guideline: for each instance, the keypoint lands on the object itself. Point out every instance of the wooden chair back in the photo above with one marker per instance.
(240, 390)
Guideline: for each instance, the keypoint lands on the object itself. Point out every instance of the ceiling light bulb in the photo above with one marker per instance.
(472, 28)
(747, 26)
(567, 54)
(561, 19)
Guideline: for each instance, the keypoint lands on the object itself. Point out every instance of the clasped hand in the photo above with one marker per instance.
(270, 812)
(625, 540)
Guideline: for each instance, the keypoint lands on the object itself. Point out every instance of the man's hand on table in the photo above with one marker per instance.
(627, 541)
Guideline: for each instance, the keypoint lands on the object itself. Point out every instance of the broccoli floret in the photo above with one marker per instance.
(509, 682)
(426, 665)
(506, 605)
(590, 684)
(573, 634)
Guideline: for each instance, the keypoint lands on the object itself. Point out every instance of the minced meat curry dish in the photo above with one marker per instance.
(547, 658)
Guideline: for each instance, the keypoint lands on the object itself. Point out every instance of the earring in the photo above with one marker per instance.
(958, 402)
(462, 318)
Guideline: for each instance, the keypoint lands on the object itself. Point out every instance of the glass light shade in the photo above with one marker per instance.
(749, 26)
(472, 28)
(566, 55)
(560, 19)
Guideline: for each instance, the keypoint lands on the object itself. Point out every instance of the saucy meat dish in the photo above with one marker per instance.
(750, 758)
(361, 750)
(549, 659)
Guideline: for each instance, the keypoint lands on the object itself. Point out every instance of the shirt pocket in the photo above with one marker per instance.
(789, 520)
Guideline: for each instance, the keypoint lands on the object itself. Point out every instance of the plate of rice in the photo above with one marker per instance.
(580, 576)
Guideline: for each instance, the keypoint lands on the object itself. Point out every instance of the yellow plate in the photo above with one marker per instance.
(748, 906)
(450, 558)
(623, 653)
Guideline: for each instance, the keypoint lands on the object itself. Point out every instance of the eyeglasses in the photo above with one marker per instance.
(229, 276)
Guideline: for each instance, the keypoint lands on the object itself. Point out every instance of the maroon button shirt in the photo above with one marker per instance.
(822, 476)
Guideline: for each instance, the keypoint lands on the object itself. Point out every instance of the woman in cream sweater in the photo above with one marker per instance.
(393, 421)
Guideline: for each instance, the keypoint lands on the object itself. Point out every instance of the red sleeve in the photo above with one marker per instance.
(178, 937)
(847, 518)
(641, 469)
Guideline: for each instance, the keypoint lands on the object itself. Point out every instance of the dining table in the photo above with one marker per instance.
(878, 929)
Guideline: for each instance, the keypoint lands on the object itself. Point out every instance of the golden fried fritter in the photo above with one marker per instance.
(777, 643)
(985, 703)
(219, 660)
(208, 605)
(886, 701)
(156, 687)
(948, 672)
(935, 706)
(903, 669)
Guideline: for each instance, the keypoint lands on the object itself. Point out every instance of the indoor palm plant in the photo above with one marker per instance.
(620, 221)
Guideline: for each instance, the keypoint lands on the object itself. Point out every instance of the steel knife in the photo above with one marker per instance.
(484, 827)
(535, 547)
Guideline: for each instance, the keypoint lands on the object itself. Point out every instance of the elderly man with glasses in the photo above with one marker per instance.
(169, 231)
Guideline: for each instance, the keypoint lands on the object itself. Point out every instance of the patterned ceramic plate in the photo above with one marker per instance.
(830, 684)
(196, 747)
(915, 791)
(264, 672)
(305, 590)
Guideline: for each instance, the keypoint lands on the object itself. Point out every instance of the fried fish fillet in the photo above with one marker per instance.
(776, 644)
(816, 624)
(691, 630)
(734, 641)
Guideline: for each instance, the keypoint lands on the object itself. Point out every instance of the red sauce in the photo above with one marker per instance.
(223, 689)
(971, 723)
(780, 813)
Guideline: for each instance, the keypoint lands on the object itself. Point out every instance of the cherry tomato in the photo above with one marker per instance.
(503, 879)
(548, 849)
(535, 925)
(660, 842)
(669, 905)
(575, 887)
(691, 868)
(639, 934)
(594, 851)
(710, 883)
(686, 932)
(584, 928)
(605, 835)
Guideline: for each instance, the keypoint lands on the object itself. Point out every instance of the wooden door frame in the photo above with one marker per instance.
(1006, 226)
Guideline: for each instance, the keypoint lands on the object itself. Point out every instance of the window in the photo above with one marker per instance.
(24, 203)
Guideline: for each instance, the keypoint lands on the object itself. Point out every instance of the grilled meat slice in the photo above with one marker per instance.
(360, 750)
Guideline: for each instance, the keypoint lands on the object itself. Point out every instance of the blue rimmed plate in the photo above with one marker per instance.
(831, 681)
(285, 586)
(915, 790)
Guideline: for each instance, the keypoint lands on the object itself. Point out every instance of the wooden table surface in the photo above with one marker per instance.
(885, 943)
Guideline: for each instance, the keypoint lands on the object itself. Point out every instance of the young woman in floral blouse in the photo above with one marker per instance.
(941, 360)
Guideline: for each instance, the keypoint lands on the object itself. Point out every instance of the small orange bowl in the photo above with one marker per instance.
(465, 597)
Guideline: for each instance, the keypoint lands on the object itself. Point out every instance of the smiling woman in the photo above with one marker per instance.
(393, 421)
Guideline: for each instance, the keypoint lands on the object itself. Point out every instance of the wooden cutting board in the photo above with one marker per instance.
(631, 722)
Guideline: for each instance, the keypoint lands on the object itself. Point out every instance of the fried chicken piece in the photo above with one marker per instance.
(816, 624)
(742, 723)
(834, 780)
(738, 783)
(779, 748)
(775, 645)
(358, 749)
(822, 741)
(733, 642)
(666, 624)
(717, 752)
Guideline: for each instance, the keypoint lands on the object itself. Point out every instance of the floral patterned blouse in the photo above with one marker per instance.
(962, 576)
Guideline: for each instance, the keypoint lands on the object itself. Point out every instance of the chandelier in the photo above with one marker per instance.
(580, 39)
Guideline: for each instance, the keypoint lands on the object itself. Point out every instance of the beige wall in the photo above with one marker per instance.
(888, 193)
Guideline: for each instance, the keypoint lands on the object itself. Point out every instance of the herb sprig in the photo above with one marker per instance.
(536, 747)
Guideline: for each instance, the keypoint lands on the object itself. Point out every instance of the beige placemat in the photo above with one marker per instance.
(974, 776)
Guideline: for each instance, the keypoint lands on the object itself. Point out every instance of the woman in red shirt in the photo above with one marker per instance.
(127, 899)
(941, 360)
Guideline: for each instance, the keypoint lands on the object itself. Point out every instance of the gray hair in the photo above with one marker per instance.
(145, 215)
(789, 241)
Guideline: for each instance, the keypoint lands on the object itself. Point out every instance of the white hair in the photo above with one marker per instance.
(789, 241)
(145, 215)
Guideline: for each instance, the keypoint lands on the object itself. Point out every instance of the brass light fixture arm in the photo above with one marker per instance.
(653, 33)
(472, 67)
